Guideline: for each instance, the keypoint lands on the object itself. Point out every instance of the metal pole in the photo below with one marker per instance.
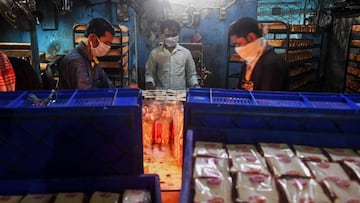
(35, 59)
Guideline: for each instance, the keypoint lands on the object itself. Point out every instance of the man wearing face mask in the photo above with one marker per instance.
(80, 69)
(263, 68)
(170, 66)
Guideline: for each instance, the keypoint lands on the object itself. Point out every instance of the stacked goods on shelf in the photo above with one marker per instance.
(73, 141)
(352, 74)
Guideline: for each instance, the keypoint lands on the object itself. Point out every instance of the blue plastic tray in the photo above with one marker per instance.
(284, 111)
(67, 139)
(115, 184)
(7, 98)
(241, 136)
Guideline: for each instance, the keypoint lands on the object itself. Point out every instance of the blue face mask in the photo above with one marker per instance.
(171, 41)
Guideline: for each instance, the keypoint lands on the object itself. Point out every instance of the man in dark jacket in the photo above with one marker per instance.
(263, 68)
(80, 69)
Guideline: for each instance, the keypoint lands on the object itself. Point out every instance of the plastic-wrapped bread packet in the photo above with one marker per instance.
(256, 188)
(131, 196)
(343, 191)
(210, 149)
(303, 191)
(74, 197)
(354, 168)
(10, 198)
(342, 154)
(213, 190)
(37, 198)
(104, 197)
(206, 167)
(283, 165)
(237, 149)
(275, 149)
(249, 163)
(309, 153)
(323, 170)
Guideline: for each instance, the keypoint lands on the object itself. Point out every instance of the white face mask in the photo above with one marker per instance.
(250, 51)
(171, 41)
(101, 50)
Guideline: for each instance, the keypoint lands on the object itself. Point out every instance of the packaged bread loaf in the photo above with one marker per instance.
(104, 197)
(10, 198)
(132, 196)
(256, 188)
(342, 154)
(210, 149)
(354, 168)
(323, 170)
(284, 166)
(302, 190)
(343, 191)
(275, 149)
(237, 149)
(249, 163)
(206, 167)
(213, 190)
(309, 153)
(74, 197)
(37, 198)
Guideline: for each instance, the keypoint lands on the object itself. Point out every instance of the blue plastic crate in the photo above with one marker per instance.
(7, 98)
(355, 98)
(241, 136)
(116, 184)
(68, 140)
(284, 111)
(295, 100)
(217, 96)
(44, 98)
(330, 101)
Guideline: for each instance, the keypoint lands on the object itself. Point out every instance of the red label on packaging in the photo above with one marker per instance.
(257, 178)
(249, 157)
(285, 159)
(343, 183)
(293, 173)
(307, 200)
(308, 148)
(214, 181)
(257, 198)
(216, 200)
(70, 195)
(37, 196)
(348, 159)
(323, 165)
(274, 145)
(353, 201)
(339, 150)
(5, 198)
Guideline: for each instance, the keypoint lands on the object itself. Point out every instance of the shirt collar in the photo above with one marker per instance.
(177, 48)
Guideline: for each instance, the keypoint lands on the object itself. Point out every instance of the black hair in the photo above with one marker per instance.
(243, 26)
(99, 26)
(169, 24)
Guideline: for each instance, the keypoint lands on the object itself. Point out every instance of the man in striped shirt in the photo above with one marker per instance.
(7, 74)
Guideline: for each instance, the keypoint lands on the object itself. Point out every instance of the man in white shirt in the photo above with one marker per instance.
(170, 66)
